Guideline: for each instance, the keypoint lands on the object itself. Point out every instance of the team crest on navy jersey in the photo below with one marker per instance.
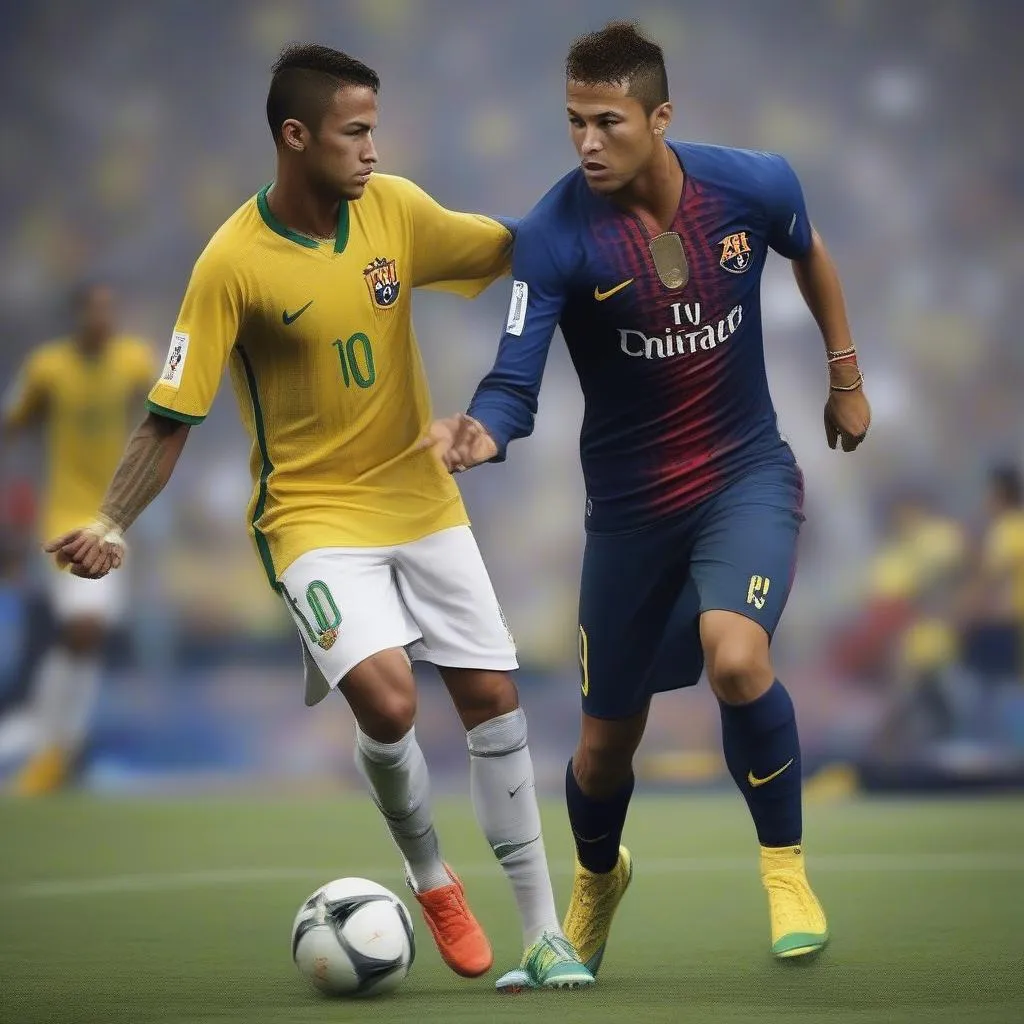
(736, 254)
(382, 280)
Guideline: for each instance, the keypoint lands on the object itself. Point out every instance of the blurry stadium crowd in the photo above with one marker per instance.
(941, 624)
(902, 126)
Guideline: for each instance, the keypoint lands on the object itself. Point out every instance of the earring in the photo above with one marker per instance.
(659, 130)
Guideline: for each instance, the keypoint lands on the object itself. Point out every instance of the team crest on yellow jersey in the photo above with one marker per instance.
(736, 254)
(382, 280)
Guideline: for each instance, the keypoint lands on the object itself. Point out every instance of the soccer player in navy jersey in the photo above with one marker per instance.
(649, 256)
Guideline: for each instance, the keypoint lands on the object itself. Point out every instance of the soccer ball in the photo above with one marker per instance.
(353, 937)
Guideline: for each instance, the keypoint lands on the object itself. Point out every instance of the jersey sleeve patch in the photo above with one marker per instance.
(517, 308)
(174, 366)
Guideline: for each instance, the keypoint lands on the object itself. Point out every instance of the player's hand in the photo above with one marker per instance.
(90, 551)
(460, 442)
(847, 418)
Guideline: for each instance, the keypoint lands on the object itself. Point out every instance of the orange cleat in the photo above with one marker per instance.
(45, 772)
(460, 939)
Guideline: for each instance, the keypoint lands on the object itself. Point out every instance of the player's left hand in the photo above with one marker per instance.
(847, 418)
(460, 442)
(91, 551)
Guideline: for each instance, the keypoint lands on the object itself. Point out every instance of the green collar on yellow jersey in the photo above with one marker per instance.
(340, 238)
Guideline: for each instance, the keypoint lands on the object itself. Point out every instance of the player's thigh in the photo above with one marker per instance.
(679, 661)
(346, 606)
(446, 588)
(629, 588)
(744, 554)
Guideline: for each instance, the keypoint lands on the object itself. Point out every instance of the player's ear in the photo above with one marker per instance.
(293, 135)
(661, 118)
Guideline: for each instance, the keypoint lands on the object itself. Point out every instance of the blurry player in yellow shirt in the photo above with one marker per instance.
(83, 391)
(1003, 553)
(995, 635)
(305, 293)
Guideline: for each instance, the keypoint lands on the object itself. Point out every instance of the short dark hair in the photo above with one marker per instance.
(305, 78)
(619, 53)
(1006, 481)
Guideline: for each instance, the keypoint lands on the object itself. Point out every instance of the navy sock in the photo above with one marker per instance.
(596, 824)
(762, 751)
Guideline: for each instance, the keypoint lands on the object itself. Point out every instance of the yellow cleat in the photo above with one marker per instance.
(595, 898)
(798, 920)
(44, 772)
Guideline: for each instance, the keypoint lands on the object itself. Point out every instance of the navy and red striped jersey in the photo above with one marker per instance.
(676, 397)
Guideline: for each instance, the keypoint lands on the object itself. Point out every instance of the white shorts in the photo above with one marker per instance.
(431, 596)
(72, 597)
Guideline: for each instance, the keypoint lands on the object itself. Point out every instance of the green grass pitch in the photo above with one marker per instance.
(127, 911)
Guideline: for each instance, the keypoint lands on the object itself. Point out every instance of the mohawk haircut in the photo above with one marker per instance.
(305, 78)
(619, 54)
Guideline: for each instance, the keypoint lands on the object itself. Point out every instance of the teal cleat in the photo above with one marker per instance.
(550, 962)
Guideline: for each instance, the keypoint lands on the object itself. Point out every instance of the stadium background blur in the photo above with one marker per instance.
(139, 128)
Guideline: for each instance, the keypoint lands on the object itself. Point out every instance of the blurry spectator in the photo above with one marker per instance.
(908, 595)
(994, 634)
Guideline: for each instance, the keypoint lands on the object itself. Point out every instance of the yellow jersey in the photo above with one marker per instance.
(1004, 561)
(920, 563)
(85, 403)
(325, 366)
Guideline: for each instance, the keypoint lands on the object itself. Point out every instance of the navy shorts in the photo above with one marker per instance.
(642, 594)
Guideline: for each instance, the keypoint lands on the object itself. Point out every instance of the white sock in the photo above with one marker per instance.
(505, 800)
(66, 691)
(400, 786)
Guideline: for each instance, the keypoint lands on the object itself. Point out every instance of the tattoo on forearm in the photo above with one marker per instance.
(144, 470)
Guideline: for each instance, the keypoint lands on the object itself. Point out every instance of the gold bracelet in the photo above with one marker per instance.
(859, 382)
(843, 353)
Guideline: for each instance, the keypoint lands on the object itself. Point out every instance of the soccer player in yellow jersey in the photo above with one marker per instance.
(81, 389)
(305, 292)
(996, 631)
(1003, 553)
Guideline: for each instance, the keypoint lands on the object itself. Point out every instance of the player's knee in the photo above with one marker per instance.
(388, 716)
(602, 764)
(382, 694)
(739, 671)
(480, 695)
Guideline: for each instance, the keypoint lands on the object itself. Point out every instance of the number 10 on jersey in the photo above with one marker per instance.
(356, 358)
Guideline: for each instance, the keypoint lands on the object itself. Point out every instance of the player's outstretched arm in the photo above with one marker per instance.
(505, 402)
(146, 466)
(847, 413)
(455, 252)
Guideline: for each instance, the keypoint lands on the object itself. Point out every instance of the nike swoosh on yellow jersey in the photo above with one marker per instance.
(290, 318)
(755, 781)
(600, 296)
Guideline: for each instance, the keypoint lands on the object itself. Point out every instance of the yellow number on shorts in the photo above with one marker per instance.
(584, 662)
